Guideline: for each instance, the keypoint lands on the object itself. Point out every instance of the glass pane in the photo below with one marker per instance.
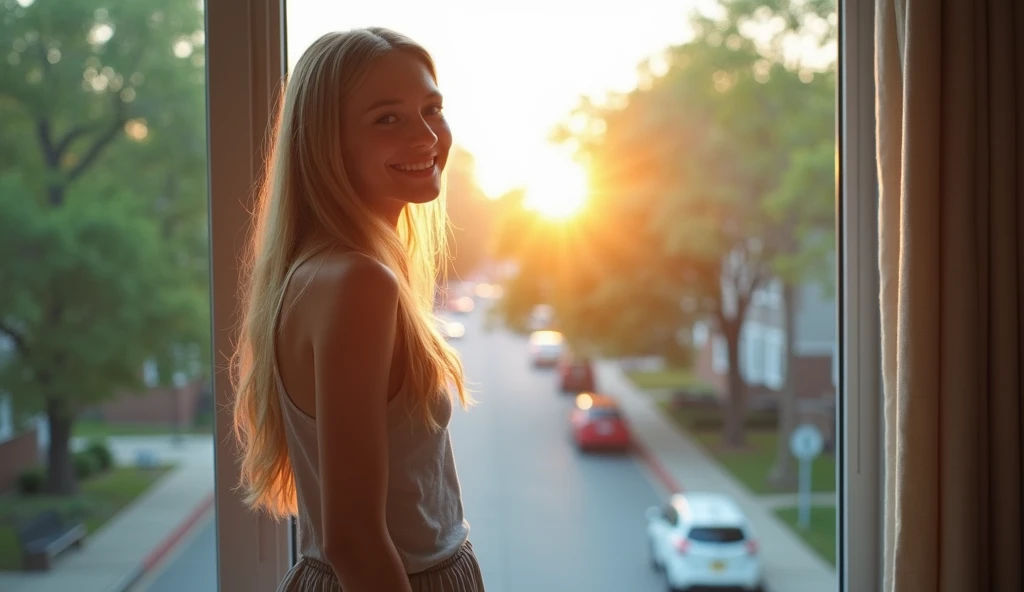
(715, 535)
(106, 410)
(656, 185)
(603, 414)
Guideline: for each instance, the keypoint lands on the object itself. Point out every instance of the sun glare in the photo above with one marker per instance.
(557, 188)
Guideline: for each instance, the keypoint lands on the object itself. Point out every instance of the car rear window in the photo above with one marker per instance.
(704, 534)
(603, 413)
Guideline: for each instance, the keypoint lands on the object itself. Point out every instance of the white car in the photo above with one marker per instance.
(546, 348)
(704, 539)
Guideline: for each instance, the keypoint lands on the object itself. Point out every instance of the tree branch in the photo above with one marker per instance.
(16, 336)
(50, 153)
(102, 142)
(71, 136)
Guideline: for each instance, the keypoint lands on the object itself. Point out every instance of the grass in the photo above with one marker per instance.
(90, 428)
(751, 465)
(99, 499)
(669, 379)
(820, 534)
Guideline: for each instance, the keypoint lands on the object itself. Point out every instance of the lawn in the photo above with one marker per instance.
(672, 379)
(101, 497)
(820, 534)
(89, 428)
(752, 465)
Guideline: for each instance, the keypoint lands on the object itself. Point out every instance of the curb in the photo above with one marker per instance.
(164, 548)
(659, 471)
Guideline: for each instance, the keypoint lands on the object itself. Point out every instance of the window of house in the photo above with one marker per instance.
(775, 359)
(254, 552)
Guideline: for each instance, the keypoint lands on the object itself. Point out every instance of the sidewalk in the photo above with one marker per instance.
(112, 557)
(790, 566)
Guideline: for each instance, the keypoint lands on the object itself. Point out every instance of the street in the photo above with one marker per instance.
(544, 518)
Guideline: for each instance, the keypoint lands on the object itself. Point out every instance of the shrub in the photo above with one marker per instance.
(30, 481)
(85, 465)
(102, 454)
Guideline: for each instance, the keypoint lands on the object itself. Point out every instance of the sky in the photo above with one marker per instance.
(510, 72)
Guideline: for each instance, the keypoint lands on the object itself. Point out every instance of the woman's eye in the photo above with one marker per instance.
(387, 119)
(434, 110)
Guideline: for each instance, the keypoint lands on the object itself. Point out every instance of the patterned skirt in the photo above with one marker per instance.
(459, 573)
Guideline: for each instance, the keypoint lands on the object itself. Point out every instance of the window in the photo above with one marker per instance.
(719, 355)
(603, 413)
(104, 230)
(700, 334)
(774, 360)
(245, 58)
(719, 534)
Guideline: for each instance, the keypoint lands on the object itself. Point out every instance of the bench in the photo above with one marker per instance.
(45, 536)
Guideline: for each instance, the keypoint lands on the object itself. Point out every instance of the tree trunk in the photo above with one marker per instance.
(60, 471)
(735, 408)
(783, 474)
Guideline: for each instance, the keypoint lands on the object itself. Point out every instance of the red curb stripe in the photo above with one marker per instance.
(660, 472)
(168, 544)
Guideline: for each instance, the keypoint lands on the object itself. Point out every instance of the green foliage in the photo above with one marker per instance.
(102, 453)
(103, 187)
(30, 481)
(85, 465)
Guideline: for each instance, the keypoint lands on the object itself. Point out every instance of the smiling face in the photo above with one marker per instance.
(395, 140)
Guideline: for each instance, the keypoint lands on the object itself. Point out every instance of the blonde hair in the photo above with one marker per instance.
(306, 192)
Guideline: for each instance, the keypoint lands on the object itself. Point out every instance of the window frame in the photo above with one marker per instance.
(245, 65)
(859, 482)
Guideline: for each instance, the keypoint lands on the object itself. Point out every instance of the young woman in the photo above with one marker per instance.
(344, 386)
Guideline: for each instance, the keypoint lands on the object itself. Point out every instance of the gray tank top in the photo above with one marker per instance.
(424, 499)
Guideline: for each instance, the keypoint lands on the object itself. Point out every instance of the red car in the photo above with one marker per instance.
(597, 423)
(575, 375)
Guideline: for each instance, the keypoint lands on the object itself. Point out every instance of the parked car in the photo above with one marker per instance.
(704, 539)
(597, 423)
(546, 348)
(575, 374)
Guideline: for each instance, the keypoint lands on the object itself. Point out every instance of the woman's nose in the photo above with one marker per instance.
(422, 135)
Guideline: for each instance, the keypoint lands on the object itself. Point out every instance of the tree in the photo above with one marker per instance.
(471, 213)
(683, 169)
(800, 210)
(804, 206)
(103, 189)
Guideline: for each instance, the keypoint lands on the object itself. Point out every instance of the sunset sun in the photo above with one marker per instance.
(558, 189)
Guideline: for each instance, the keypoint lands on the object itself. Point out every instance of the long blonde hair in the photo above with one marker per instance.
(304, 193)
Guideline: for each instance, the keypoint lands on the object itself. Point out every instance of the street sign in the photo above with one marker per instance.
(806, 443)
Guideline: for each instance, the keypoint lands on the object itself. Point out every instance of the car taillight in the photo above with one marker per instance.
(681, 544)
(752, 547)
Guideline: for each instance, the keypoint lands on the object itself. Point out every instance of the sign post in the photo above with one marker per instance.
(806, 443)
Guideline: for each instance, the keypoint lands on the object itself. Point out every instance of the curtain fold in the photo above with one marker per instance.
(950, 148)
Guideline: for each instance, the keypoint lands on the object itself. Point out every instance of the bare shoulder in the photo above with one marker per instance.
(350, 291)
(350, 274)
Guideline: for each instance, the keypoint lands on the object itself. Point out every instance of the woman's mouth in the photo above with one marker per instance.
(417, 169)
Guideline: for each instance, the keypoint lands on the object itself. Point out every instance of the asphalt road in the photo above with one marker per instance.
(544, 518)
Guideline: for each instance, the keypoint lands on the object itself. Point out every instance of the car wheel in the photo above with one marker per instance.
(655, 565)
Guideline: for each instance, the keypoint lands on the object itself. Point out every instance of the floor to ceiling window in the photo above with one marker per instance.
(655, 184)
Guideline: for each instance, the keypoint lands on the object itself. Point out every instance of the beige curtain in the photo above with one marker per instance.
(950, 108)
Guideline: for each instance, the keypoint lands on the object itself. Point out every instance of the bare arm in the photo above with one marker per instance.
(353, 345)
